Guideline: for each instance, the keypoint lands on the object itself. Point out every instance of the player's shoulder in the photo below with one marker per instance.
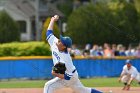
(134, 68)
(124, 67)
(55, 40)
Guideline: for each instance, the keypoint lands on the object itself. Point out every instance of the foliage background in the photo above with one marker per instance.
(9, 30)
(102, 23)
(25, 49)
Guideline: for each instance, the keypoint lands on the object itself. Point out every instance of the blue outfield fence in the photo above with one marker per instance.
(35, 68)
(102, 67)
(32, 68)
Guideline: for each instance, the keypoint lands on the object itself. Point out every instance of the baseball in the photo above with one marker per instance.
(56, 16)
(110, 91)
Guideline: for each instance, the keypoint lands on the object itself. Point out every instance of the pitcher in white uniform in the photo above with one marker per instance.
(129, 73)
(60, 54)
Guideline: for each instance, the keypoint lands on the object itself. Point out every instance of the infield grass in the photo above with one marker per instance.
(93, 82)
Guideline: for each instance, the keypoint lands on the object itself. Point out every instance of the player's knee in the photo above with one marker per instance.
(123, 80)
(48, 87)
(48, 84)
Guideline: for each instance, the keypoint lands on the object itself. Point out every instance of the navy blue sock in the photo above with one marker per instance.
(95, 91)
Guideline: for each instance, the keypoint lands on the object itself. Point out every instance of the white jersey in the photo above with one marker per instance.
(132, 71)
(59, 56)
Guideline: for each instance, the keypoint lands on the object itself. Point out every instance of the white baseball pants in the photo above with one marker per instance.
(126, 78)
(73, 83)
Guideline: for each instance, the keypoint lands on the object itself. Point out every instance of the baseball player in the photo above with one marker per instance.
(129, 73)
(60, 54)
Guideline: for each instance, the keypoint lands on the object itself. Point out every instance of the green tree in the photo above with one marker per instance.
(101, 23)
(66, 8)
(86, 23)
(137, 28)
(137, 4)
(127, 17)
(8, 28)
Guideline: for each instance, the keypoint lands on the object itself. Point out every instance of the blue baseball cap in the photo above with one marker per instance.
(66, 41)
(128, 61)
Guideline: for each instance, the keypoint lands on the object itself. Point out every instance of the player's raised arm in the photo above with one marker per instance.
(51, 24)
(49, 33)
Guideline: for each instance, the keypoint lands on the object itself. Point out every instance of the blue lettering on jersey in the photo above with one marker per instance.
(56, 55)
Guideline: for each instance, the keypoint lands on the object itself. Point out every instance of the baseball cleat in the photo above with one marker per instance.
(124, 87)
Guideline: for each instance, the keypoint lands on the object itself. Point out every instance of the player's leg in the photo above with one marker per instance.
(124, 80)
(52, 85)
(79, 88)
(82, 89)
(95, 91)
(138, 78)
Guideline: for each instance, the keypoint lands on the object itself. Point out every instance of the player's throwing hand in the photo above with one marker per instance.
(55, 17)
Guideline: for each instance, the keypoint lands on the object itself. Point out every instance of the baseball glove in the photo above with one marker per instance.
(59, 68)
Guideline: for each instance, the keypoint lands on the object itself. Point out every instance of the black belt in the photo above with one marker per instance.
(74, 71)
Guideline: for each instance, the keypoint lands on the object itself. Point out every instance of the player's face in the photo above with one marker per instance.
(128, 66)
(60, 46)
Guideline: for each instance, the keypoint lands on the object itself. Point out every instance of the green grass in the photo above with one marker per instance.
(93, 82)
(22, 84)
(101, 82)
